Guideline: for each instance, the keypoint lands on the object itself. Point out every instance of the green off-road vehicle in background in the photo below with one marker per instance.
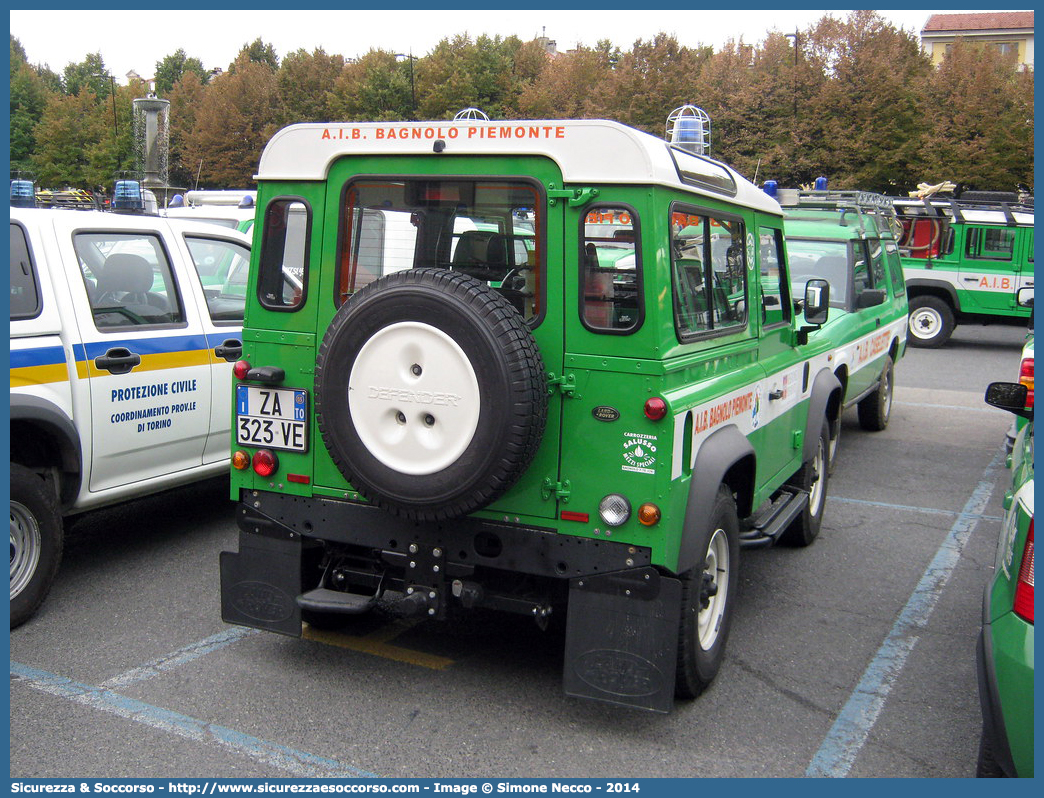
(847, 238)
(551, 368)
(965, 260)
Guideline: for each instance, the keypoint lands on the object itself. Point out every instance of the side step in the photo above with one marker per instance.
(335, 601)
(769, 525)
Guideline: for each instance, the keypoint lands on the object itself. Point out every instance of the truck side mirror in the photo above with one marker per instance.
(1010, 396)
(1024, 297)
(871, 297)
(817, 301)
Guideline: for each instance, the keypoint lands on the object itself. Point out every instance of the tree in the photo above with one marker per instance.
(258, 53)
(90, 74)
(68, 129)
(375, 88)
(28, 99)
(306, 82)
(238, 114)
(172, 68)
(567, 87)
(980, 120)
(186, 97)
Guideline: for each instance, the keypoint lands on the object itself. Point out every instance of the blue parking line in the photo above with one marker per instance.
(908, 508)
(296, 763)
(189, 653)
(850, 731)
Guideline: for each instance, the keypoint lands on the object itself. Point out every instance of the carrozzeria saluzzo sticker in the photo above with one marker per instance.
(639, 453)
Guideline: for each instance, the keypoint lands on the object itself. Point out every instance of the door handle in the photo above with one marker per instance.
(231, 350)
(118, 360)
(777, 394)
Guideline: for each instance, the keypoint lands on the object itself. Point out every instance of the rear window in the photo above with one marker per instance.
(283, 265)
(25, 293)
(491, 230)
(610, 273)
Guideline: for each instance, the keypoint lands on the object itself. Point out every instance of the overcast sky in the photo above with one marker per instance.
(138, 39)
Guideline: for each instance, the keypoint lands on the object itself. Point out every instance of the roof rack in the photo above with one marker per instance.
(839, 204)
(955, 208)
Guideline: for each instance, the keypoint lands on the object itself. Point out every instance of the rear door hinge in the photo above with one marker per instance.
(565, 383)
(575, 197)
(560, 490)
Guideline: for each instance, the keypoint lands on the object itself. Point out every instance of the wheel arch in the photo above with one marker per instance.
(937, 288)
(824, 405)
(725, 457)
(43, 437)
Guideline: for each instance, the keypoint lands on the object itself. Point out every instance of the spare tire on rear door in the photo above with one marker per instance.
(430, 393)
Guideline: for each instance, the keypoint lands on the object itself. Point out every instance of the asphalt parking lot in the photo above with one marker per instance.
(853, 657)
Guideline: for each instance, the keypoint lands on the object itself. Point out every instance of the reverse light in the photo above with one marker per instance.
(240, 460)
(1023, 605)
(240, 369)
(265, 463)
(655, 408)
(1026, 378)
(614, 509)
(648, 514)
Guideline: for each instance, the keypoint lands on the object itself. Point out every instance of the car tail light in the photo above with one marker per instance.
(655, 408)
(1024, 588)
(240, 460)
(265, 463)
(240, 369)
(1026, 378)
(648, 514)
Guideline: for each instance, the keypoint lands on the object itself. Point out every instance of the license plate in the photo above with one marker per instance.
(276, 418)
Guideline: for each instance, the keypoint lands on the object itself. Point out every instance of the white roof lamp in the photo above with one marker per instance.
(689, 129)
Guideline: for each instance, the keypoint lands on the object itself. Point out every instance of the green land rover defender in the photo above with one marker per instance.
(552, 368)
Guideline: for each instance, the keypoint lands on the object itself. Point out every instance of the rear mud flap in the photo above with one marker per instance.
(259, 585)
(622, 639)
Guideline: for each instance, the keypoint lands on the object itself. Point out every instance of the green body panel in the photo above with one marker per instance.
(582, 457)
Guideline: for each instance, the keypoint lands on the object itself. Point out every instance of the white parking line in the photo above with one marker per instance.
(296, 763)
(187, 654)
(859, 714)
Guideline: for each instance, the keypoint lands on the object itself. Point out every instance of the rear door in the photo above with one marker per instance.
(143, 352)
(990, 272)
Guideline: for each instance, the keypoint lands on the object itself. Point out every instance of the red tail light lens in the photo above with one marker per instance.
(1024, 589)
(1026, 378)
(265, 463)
(655, 408)
(240, 369)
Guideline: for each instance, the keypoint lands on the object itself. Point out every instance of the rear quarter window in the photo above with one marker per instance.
(25, 289)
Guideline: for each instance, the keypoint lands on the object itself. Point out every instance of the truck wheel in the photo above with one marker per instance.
(876, 408)
(708, 591)
(430, 393)
(36, 542)
(812, 478)
(931, 322)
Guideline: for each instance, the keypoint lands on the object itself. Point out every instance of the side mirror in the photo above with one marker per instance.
(817, 301)
(1024, 297)
(1010, 396)
(871, 297)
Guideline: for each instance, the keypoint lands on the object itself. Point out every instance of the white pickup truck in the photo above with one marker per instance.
(124, 329)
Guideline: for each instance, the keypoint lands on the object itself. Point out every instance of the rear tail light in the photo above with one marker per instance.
(240, 369)
(265, 463)
(240, 460)
(648, 514)
(1024, 588)
(655, 408)
(1026, 378)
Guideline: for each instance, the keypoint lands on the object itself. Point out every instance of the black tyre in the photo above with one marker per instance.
(987, 767)
(430, 393)
(812, 478)
(36, 542)
(834, 447)
(708, 593)
(931, 322)
(876, 408)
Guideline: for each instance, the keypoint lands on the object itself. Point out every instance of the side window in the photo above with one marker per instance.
(775, 298)
(129, 279)
(283, 264)
(895, 267)
(877, 267)
(610, 270)
(25, 293)
(1029, 245)
(990, 243)
(860, 268)
(222, 267)
(708, 259)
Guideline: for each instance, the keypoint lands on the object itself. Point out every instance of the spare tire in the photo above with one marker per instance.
(430, 393)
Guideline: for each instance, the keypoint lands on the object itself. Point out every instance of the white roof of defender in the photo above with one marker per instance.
(588, 151)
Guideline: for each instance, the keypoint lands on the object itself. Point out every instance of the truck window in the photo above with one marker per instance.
(877, 267)
(488, 229)
(775, 293)
(222, 267)
(610, 301)
(895, 268)
(25, 293)
(825, 260)
(708, 262)
(990, 243)
(129, 279)
(283, 265)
